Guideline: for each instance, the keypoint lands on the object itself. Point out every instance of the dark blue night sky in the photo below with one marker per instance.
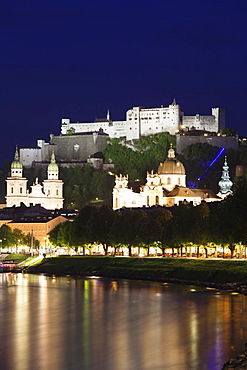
(78, 58)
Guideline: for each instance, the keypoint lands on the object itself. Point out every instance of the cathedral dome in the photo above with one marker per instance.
(171, 165)
(16, 164)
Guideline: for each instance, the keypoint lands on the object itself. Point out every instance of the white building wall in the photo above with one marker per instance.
(127, 198)
(112, 128)
(169, 181)
(29, 155)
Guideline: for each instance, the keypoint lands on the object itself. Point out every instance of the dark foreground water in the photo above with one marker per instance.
(74, 323)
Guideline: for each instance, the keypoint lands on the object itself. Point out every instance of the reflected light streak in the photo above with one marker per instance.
(114, 285)
(194, 334)
(86, 322)
(21, 323)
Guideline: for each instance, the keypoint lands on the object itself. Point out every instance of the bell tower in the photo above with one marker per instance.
(53, 187)
(16, 184)
(225, 183)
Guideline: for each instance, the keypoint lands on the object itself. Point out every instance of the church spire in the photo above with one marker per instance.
(225, 183)
(174, 102)
(108, 116)
(16, 166)
(16, 154)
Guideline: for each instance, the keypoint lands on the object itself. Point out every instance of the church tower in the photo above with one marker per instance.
(53, 187)
(16, 184)
(225, 183)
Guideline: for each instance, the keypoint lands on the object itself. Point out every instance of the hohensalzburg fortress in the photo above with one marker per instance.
(142, 121)
(78, 141)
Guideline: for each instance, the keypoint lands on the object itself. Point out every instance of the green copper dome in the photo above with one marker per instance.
(53, 166)
(16, 164)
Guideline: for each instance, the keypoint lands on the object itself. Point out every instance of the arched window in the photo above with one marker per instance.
(157, 199)
(12, 190)
(20, 190)
(179, 181)
(57, 192)
(168, 181)
(148, 200)
(116, 202)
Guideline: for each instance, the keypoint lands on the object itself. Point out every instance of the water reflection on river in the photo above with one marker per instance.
(74, 323)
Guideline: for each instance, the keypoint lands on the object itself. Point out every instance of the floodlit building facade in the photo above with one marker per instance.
(142, 121)
(49, 195)
(166, 188)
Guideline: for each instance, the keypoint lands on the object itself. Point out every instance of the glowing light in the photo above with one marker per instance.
(222, 150)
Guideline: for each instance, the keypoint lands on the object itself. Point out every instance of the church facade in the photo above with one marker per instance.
(166, 188)
(49, 195)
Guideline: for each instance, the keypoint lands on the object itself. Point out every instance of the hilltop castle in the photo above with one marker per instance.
(78, 141)
(49, 196)
(142, 121)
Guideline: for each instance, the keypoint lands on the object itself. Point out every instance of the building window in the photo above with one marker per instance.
(157, 199)
(56, 192)
(168, 181)
(20, 190)
(148, 200)
(12, 190)
(179, 182)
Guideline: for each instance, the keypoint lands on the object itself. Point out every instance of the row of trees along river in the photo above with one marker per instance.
(217, 224)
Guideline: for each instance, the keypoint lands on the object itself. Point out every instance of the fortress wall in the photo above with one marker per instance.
(228, 142)
(207, 123)
(76, 147)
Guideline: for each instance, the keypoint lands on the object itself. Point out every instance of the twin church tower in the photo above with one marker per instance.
(49, 195)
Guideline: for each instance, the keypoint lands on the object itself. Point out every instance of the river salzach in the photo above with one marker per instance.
(58, 323)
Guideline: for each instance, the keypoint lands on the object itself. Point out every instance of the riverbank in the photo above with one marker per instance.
(218, 274)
